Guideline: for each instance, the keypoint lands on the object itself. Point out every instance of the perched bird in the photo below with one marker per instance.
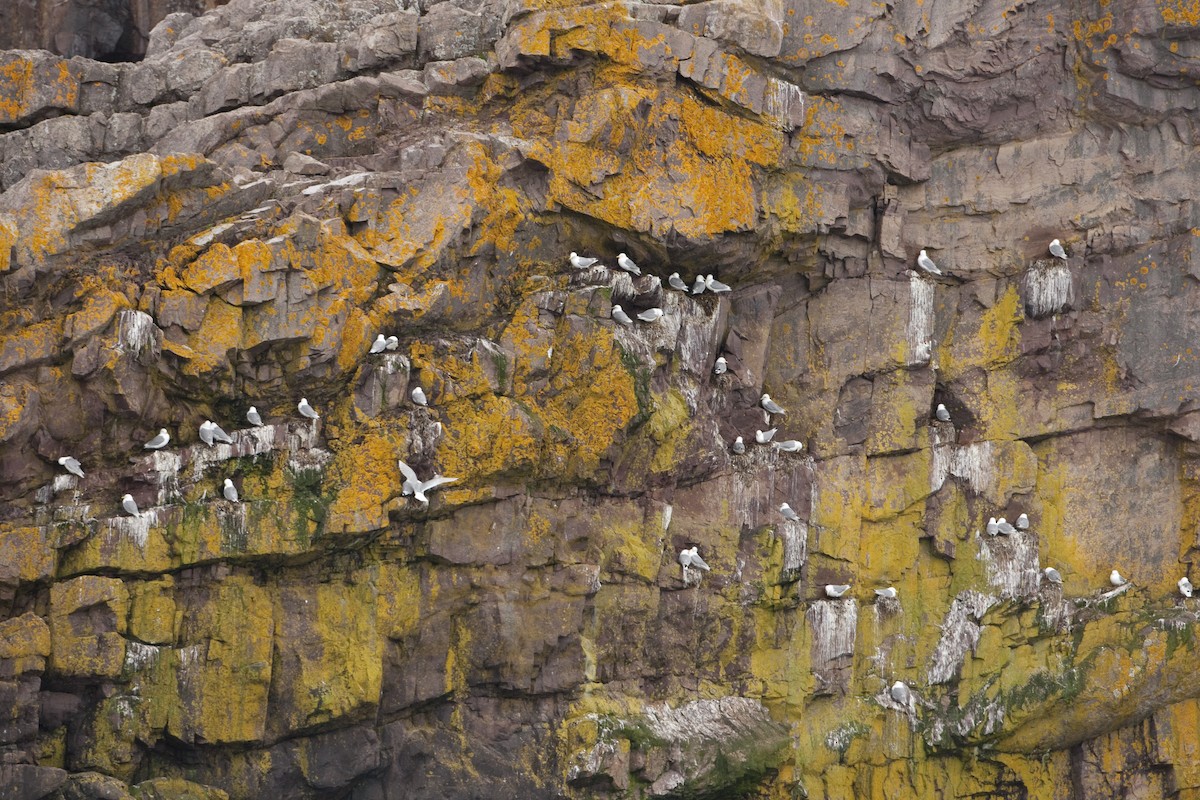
(901, 694)
(306, 410)
(217, 434)
(620, 316)
(582, 262)
(699, 286)
(714, 285)
(739, 446)
(230, 491)
(689, 558)
(993, 527)
(651, 315)
(926, 263)
(1052, 575)
(836, 590)
(1023, 522)
(418, 396)
(676, 282)
(788, 513)
(393, 342)
(941, 413)
(1185, 587)
(158, 442)
(206, 435)
(379, 345)
(253, 417)
(130, 506)
(1115, 579)
(626, 263)
(788, 445)
(887, 594)
(71, 465)
(416, 487)
(769, 405)
(1056, 250)
(721, 367)
(763, 437)
(1004, 527)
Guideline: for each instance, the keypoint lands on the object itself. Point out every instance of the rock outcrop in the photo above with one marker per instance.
(232, 220)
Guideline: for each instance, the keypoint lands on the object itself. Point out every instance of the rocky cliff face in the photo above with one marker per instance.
(231, 222)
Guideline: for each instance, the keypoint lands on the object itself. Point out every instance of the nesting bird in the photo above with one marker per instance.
(393, 342)
(688, 558)
(582, 262)
(626, 263)
(253, 417)
(158, 442)
(788, 513)
(1056, 250)
(993, 527)
(620, 316)
(926, 263)
(306, 410)
(230, 491)
(836, 590)
(1004, 527)
(1052, 575)
(379, 345)
(788, 445)
(1023, 522)
(699, 286)
(721, 367)
(739, 446)
(651, 315)
(676, 282)
(71, 465)
(900, 693)
(764, 437)
(1185, 586)
(887, 594)
(130, 506)
(941, 413)
(418, 396)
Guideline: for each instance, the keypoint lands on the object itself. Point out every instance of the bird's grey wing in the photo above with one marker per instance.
(699, 562)
(436, 481)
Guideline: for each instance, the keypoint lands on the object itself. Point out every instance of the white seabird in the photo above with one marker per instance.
(1052, 575)
(699, 286)
(206, 434)
(393, 342)
(788, 513)
(218, 435)
(1023, 522)
(901, 694)
(416, 487)
(764, 437)
(418, 396)
(993, 527)
(721, 367)
(620, 316)
(1115, 578)
(582, 262)
(651, 315)
(676, 282)
(1004, 527)
(626, 263)
(941, 413)
(158, 442)
(1056, 250)
(230, 491)
(739, 446)
(714, 285)
(926, 263)
(71, 465)
(130, 506)
(836, 590)
(253, 416)
(769, 405)
(1185, 586)
(306, 410)
(788, 445)
(379, 345)
(690, 558)
(887, 594)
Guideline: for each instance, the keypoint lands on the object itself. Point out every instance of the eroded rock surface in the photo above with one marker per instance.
(232, 220)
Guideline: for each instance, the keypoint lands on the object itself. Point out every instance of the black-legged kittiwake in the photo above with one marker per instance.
(941, 413)
(901, 694)
(764, 437)
(306, 410)
(416, 487)
(158, 442)
(887, 594)
(206, 435)
(676, 282)
(230, 491)
(739, 446)
(626, 263)
(1053, 575)
(1004, 527)
(651, 315)
(582, 262)
(788, 513)
(418, 396)
(714, 285)
(1023, 522)
(688, 558)
(769, 405)
(620, 316)
(217, 433)
(393, 342)
(926, 263)
(993, 527)
(788, 445)
(699, 286)
(721, 367)
(253, 417)
(1056, 250)
(1185, 586)
(836, 590)
(130, 506)
(71, 465)
(379, 345)
(1115, 578)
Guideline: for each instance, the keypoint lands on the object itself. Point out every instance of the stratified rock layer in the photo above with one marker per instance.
(234, 219)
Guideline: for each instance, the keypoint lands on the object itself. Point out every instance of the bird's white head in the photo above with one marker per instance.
(127, 497)
(574, 254)
(253, 410)
(228, 483)
(924, 254)
(63, 459)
